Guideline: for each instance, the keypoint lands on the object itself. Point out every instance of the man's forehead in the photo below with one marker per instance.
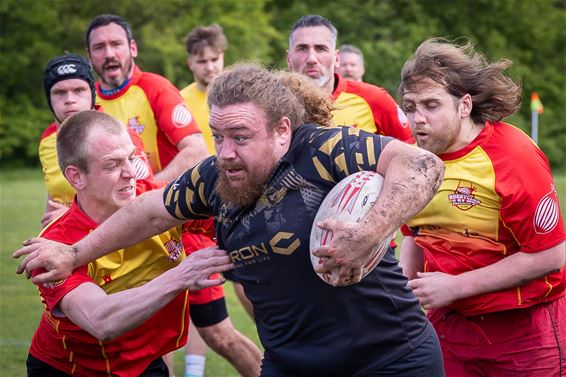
(69, 83)
(424, 88)
(112, 30)
(207, 51)
(351, 56)
(238, 113)
(312, 35)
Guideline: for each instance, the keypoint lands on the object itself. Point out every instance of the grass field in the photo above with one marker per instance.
(22, 197)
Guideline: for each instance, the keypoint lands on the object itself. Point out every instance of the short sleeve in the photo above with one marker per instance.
(186, 197)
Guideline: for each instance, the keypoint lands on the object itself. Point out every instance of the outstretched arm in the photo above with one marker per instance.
(412, 177)
(437, 289)
(107, 316)
(145, 217)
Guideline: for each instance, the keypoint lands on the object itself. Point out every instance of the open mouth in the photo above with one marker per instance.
(112, 68)
(126, 190)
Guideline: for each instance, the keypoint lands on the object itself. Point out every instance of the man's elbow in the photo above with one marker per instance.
(559, 257)
(104, 331)
(431, 167)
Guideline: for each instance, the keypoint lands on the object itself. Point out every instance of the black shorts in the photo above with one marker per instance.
(38, 368)
(423, 361)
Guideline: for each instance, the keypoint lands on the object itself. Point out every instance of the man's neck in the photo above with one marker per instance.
(92, 210)
(201, 86)
(329, 87)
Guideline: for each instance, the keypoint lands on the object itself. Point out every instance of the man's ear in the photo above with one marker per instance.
(288, 59)
(134, 48)
(75, 176)
(466, 105)
(284, 130)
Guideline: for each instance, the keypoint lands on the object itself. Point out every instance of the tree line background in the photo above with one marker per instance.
(531, 33)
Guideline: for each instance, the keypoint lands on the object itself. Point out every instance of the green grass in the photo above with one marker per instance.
(21, 206)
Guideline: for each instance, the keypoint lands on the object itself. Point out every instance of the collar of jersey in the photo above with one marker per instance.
(111, 92)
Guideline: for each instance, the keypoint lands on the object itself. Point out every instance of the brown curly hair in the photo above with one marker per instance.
(318, 105)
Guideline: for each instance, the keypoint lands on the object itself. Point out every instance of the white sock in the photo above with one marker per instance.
(194, 365)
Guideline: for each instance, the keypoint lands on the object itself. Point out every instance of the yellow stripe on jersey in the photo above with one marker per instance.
(57, 186)
(136, 265)
(340, 161)
(328, 146)
(324, 174)
(370, 151)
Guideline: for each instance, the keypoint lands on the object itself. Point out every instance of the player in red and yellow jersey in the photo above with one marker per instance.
(69, 88)
(205, 48)
(121, 313)
(486, 255)
(312, 52)
(145, 102)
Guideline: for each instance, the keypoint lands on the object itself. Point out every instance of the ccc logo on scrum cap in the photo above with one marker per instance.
(66, 69)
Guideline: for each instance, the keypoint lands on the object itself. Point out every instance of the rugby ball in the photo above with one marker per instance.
(350, 200)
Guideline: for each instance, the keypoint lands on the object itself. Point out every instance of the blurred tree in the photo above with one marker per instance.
(388, 31)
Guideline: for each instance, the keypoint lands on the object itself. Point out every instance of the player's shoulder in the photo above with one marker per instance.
(369, 92)
(511, 138)
(509, 143)
(49, 130)
(153, 82)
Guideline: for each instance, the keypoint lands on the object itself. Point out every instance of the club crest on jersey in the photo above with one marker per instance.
(463, 197)
(175, 248)
(181, 116)
(134, 123)
(547, 212)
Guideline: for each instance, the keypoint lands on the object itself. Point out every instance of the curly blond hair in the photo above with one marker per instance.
(318, 105)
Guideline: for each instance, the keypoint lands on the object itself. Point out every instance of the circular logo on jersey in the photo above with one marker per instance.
(546, 214)
(140, 166)
(66, 69)
(402, 117)
(181, 116)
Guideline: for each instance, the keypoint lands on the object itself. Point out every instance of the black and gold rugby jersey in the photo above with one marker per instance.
(306, 326)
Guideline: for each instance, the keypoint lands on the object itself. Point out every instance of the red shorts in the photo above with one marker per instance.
(527, 342)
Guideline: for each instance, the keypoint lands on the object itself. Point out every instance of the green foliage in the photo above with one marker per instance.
(387, 31)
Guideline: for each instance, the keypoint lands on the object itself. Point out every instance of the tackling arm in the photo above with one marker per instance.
(143, 218)
(107, 316)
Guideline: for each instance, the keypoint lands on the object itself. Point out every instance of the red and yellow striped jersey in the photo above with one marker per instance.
(63, 345)
(498, 198)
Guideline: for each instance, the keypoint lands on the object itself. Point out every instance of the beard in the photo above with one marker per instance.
(251, 186)
(116, 82)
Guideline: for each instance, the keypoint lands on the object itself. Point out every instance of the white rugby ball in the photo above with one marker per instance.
(350, 200)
